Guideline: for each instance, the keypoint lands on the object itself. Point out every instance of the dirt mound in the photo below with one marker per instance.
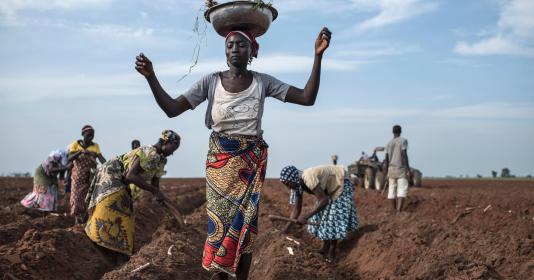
(172, 254)
(279, 256)
(13, 232)
(54, 254)
(452, 229)
(12, 190)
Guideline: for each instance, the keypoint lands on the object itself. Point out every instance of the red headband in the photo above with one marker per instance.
(249, 37)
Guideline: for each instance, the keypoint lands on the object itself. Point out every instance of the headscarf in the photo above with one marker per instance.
(291, 174)
(170, 136)
(58, 157)
(249, 37)
(87, 128)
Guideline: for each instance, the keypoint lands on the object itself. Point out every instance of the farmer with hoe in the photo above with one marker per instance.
(45, 182)
(334, 215)
(397, 168)
(111, 221)
(237, 154)
(83, 153)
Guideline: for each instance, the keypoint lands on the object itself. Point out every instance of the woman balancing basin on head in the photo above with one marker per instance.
(237, 156)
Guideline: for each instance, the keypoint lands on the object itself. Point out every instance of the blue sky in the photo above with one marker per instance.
(457, 75)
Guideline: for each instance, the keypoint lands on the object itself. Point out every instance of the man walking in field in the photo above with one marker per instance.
(397, 169)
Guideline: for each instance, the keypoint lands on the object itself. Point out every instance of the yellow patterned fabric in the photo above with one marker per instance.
(112, 223)
(77, 147)
(136, 192)
(152, 163)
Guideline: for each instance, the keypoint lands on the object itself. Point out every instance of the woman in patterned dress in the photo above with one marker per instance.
(45, 182)
(237, 154)
(334, 211)
(111, 221)
(83, 153)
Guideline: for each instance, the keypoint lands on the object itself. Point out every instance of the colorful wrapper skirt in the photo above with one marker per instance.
(235, 171)
(111, 221)
(80, 181)
(338, 218)
(44, 194)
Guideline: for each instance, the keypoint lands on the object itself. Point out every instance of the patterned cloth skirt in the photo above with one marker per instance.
(338, 218)
(44, 194)
(80, 181)
(235, 171)
(112, 223)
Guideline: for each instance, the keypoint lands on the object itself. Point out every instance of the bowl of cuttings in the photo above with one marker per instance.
(253, 16)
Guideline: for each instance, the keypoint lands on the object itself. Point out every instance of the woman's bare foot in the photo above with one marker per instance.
(330, 258)
(325, 249)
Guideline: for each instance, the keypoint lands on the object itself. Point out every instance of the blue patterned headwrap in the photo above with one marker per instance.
(291, 174)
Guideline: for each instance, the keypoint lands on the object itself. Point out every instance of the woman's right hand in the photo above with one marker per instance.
(143, 65)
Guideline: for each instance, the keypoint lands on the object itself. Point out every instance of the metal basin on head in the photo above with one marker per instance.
(241, 15)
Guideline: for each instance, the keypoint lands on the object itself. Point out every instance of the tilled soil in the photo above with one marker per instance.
(451, 229)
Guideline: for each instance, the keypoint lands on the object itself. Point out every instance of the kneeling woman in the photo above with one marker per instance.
(334, 211)
(111, 220)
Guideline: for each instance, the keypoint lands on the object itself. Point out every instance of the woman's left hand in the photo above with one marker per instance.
(323, 41)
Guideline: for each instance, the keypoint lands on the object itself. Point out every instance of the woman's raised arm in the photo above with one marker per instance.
(172, 107)
(308, 95)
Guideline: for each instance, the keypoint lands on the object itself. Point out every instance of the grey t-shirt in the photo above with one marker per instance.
(205, 89)
(397, 168)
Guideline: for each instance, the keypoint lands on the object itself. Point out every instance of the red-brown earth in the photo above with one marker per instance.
(443, 234)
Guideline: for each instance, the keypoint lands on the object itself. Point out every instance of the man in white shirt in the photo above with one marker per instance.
(397, 168)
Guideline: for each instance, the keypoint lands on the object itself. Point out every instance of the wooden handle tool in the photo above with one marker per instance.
(274, 217)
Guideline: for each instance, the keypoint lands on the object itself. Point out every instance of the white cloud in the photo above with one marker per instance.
(463, 62)
(9, 9)
(481, 111)
(326, 6)
(391, 11)
(375, 49)
(285, 63)
(116, 31)
(497, 45)
(32, 87)
(514, 34)
(269, 63)
(489, 111)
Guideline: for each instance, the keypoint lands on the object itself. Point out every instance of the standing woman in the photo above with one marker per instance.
(237, 155)
(83, 153)
(45, 182)
(334, 211)
(111, 221)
